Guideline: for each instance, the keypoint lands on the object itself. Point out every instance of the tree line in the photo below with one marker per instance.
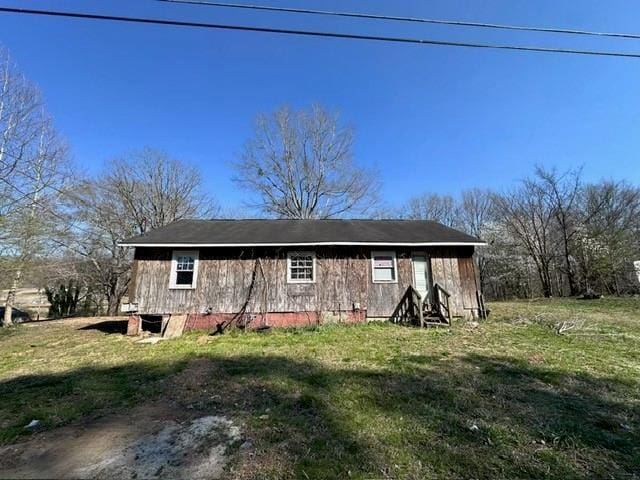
(552, 234)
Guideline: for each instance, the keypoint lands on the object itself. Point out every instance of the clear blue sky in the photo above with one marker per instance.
(435, 119)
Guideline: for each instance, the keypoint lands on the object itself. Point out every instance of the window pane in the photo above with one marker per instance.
(301, 261)
(185, 263)
(302, 273)
(383, 262)
(384, 274)
(301, 267)
(184, 278)
(384, 269)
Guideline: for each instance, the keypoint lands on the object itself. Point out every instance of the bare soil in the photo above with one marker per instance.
(160, 439)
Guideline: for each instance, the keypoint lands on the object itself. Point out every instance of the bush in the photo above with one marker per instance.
(64, 300)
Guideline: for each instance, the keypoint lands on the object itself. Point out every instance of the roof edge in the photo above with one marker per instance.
(307, 244)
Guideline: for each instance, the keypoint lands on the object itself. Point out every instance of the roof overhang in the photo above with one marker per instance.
(308, 244)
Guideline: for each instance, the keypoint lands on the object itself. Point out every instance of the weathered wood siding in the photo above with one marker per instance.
(453, 269)
(469, 283)
(229, 278)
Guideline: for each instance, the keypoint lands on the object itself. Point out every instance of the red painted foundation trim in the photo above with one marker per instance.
(201, 321)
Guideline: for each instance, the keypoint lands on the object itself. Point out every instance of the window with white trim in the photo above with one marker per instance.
(301, 267)
(184, 269)
(384, 267)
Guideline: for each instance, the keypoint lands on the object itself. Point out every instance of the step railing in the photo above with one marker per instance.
(409, 309)
(442, 304)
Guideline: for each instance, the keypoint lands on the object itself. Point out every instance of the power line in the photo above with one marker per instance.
(371, 16)
(309, 33)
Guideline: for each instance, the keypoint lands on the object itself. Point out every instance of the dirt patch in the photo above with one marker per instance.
(196, 449)
(162, 438)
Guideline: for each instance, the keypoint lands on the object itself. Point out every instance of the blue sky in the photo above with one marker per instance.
(436, 119)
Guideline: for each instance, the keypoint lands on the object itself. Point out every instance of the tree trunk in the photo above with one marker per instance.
(113, 299)
(571, 275)
(11, 298)
(112, 306)
(614, 271)
(545, 280)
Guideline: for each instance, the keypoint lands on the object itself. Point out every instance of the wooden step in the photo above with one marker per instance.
(437, 324)
(434, 319)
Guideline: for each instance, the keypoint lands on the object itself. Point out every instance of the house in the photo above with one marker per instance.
(276, 273)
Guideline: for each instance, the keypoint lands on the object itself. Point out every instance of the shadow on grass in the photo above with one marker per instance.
(472, 416)
(108, 326)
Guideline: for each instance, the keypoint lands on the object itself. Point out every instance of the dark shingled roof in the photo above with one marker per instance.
(302, 232)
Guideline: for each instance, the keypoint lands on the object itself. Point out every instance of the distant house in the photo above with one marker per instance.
(275, 273)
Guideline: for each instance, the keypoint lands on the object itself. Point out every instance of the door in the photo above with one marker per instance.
(421, 275)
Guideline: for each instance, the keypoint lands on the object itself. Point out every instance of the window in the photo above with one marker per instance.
(383, 267)
(301, 267)
(184, 269)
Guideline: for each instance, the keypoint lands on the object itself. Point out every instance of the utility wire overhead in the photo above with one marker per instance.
(310, 33)
(433, 21)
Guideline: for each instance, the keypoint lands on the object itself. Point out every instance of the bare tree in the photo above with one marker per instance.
(505, 268)
(20, 123)
(529, 218)
(299, 165)
(156, 189)
(431, 206)
(144, 190)
(104, 223)
(608, 241)
(551, 234)
(475, 217)
(32, 160)
(19, 101)
(563, 191)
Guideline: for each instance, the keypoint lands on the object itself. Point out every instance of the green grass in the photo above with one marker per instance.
(507, 399)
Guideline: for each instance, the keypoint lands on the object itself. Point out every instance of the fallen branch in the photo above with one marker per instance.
(565, 326)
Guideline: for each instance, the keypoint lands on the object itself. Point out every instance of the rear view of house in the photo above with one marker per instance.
(276, 273)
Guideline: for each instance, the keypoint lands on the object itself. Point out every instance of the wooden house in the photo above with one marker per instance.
(274, 273)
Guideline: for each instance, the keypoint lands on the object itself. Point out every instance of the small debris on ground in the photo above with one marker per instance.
(151, 340)
(33, 424)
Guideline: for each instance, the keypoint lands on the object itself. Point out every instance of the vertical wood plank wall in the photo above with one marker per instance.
(453, 269)
(343, 277)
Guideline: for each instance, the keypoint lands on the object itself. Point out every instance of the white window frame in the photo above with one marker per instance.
(384, 253)
(174, 269)
(313, 266)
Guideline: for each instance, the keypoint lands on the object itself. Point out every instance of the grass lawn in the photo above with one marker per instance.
(507, 399)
